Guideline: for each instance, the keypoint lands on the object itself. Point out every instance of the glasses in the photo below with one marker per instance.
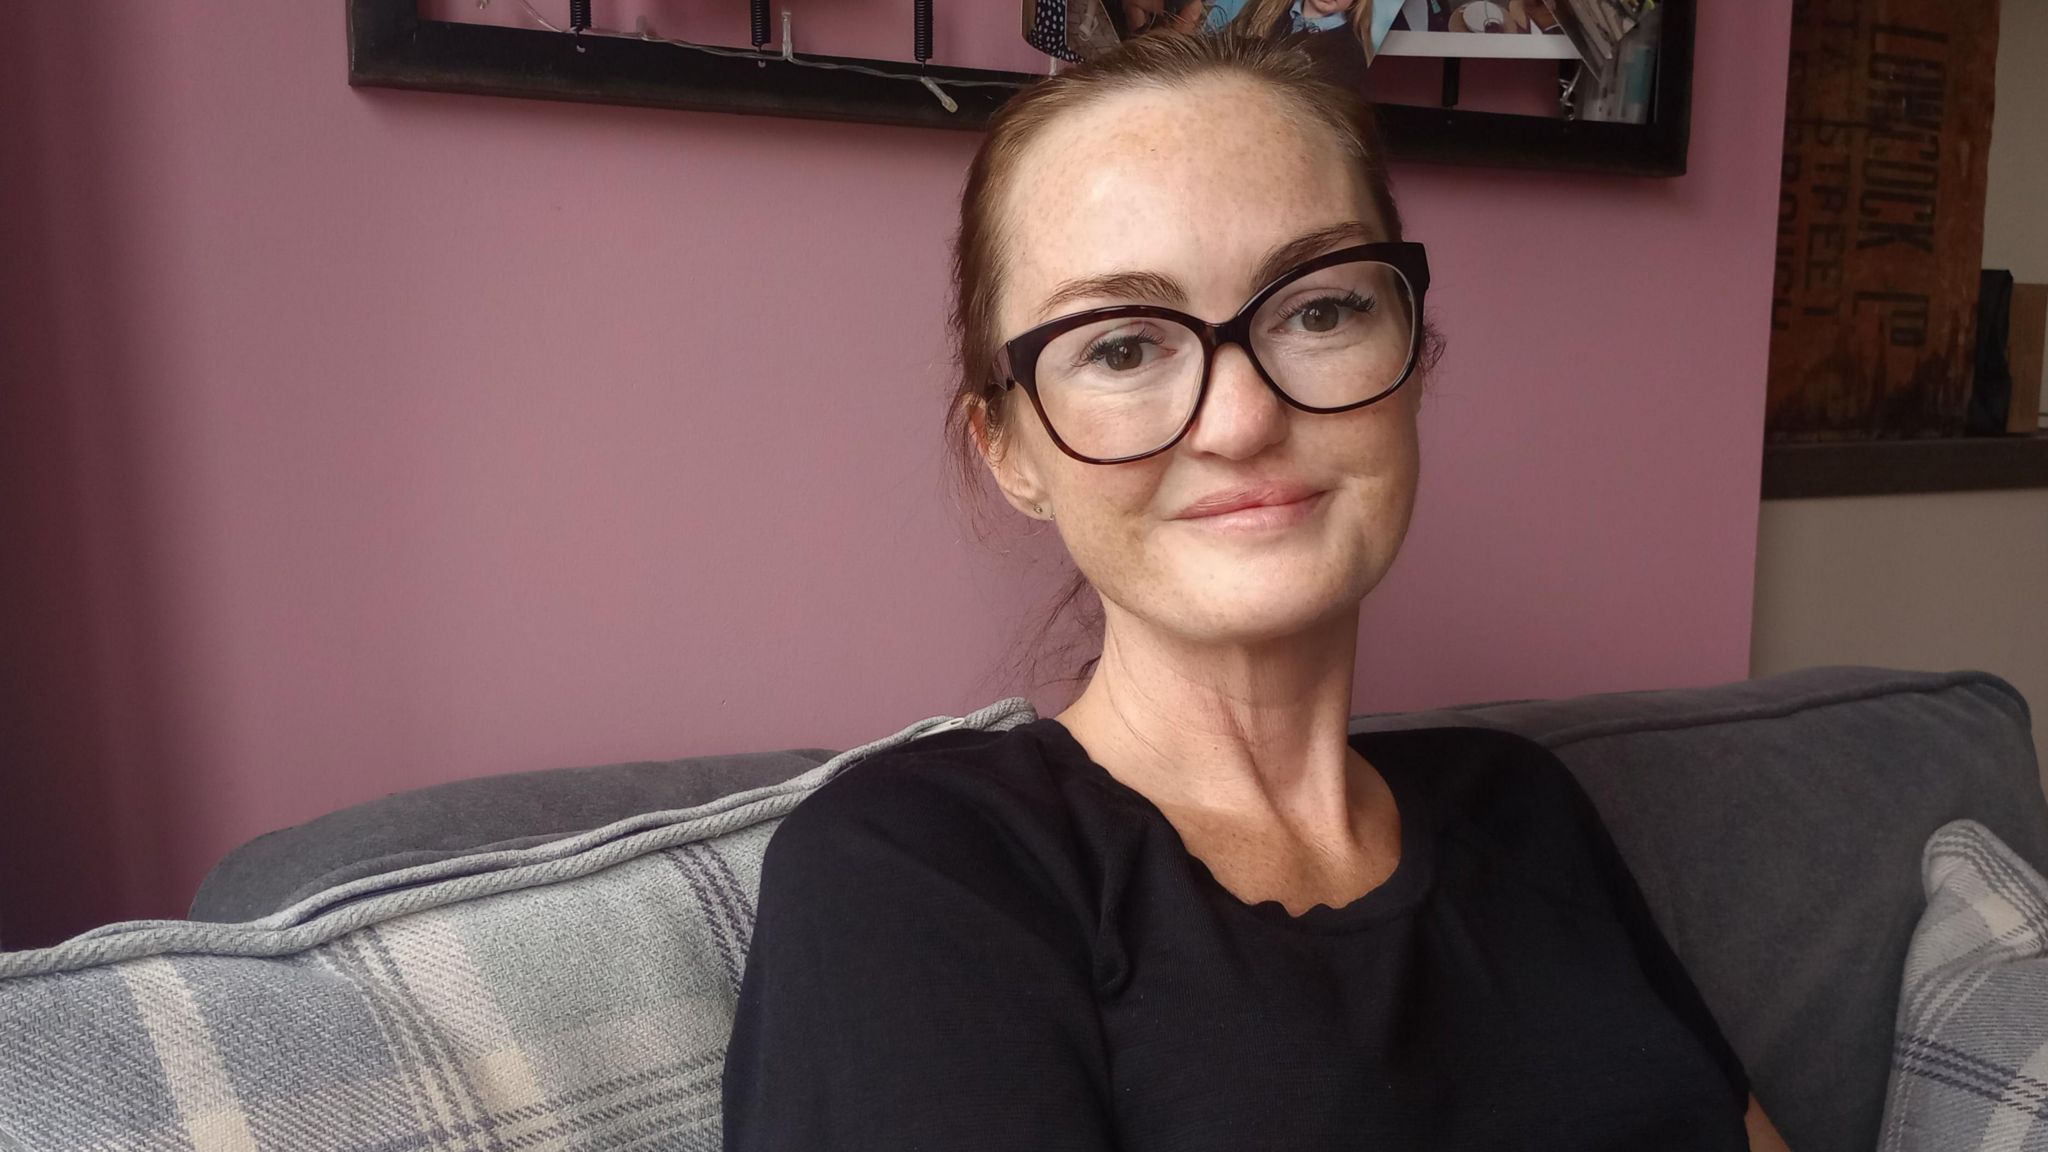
(1122, 383)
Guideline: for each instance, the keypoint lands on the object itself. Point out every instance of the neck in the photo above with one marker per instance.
(1253, 730)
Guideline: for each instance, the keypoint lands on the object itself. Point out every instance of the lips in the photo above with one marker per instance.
(1247, 496)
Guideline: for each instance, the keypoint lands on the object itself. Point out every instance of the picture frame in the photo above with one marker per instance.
(390, 45)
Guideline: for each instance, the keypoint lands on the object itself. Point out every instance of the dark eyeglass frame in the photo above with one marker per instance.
(1020, 353)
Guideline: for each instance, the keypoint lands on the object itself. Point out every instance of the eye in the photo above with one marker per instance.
(1327, 312)
(1119, 353)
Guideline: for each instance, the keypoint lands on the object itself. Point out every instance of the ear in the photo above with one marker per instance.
(1009, 462)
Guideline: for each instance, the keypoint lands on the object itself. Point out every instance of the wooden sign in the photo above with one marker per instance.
(1880, 218)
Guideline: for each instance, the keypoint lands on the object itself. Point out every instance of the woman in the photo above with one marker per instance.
(1188, 913)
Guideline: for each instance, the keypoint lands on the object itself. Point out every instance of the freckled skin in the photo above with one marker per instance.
(1198, 183)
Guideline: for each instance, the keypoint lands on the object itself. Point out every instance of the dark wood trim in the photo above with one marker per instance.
(390, 46)
(1890, 467)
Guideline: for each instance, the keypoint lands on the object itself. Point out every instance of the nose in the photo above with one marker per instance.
(1240, 414)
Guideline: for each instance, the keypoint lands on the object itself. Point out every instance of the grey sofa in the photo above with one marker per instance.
(1775, 824)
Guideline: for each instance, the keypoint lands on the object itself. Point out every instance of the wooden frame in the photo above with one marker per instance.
(391, 46)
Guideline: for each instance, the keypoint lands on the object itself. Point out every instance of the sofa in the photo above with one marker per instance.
(549, 959)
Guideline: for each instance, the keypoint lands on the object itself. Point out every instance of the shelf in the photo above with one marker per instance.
(1892, 467)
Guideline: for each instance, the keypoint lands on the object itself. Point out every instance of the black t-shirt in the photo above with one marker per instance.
(983, 941)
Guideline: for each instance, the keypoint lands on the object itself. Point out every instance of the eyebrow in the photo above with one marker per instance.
(1159, 288)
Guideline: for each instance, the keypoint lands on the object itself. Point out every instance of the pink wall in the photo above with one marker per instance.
(356, 440)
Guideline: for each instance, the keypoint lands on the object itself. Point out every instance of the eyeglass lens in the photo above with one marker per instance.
(1124, 386)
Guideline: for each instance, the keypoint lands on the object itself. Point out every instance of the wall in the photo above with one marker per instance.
(2015, 227)
(1934, 581)
(1937, 580)
(361, 439)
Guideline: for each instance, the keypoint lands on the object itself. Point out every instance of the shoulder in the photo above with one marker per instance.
(935, 783)
(962, 811)
(1478, 775)
(1500, 793)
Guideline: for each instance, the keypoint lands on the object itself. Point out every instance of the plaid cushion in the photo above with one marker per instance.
(1970, 1063)
(574, 995)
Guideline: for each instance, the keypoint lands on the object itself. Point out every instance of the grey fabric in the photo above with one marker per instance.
(1776, 826)
(571, 996)
(1970, 1062)
(468, 817)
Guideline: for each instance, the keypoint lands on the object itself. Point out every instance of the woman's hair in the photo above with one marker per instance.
(1268, 14)
(1157, 60)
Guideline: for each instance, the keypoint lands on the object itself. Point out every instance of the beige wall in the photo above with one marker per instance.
(1934, 582)
(1941, 580)
(2015, 222)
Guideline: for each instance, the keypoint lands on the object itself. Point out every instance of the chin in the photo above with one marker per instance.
(1247, 595)
(1258, 626)
(1256, 610)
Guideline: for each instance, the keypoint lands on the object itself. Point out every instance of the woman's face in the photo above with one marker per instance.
(1198, 185)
